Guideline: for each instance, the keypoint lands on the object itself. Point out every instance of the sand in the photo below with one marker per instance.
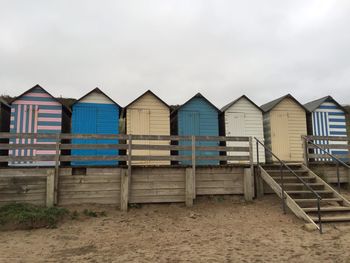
(224, 229)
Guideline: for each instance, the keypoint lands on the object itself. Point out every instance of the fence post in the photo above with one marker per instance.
(251, 156)
(306, 151)
(194, 165)
(129, 153)
(57, 163)
(248, 184)
(124, 190)
(189, 187)
(50, 188)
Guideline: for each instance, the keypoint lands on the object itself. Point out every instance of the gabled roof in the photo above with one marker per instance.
(3, 102)
(198, 95)
(38, 86)
(226, 107)
(313, 105)
(148, 92)
(270, 105)
(97, 90)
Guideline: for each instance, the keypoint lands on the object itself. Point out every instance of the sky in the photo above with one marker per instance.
(223, 49)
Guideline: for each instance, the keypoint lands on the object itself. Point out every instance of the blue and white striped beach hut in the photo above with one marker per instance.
(327, 118)
(37, 111)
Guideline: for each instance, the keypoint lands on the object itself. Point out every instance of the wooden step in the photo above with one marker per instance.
(287, 171)
(310, 200)
(305, 178)
(327, 209)
(301, 184)
(308, 192)
(331, 218)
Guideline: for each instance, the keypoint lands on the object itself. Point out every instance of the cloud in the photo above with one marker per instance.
(177, 48)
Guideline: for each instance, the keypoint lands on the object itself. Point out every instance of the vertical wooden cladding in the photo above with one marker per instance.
(285, 124)
(196, 117)
(95, 113)
(243, 117)
(37, 111)
(148, 115)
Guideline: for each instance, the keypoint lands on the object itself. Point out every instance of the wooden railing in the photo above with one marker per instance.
(323, 148)
(185, 149)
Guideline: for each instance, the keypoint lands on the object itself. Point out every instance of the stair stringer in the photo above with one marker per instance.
(327, 186)
(292, 205)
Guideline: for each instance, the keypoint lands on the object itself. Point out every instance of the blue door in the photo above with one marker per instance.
(190, 126)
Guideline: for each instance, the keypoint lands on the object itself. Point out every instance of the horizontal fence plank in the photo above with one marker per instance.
(325, 156)
(68, 136)
(328, 138)
(156, 199)
(120, 147)
(89, 200)
(329, 146)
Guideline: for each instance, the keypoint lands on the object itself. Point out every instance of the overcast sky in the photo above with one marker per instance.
(223, 49)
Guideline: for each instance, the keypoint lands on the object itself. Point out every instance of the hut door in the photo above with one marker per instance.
(235, 124)
(140, 125)
(190, 126)
(280, 135)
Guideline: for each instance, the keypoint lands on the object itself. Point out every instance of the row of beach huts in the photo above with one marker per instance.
(280, 123)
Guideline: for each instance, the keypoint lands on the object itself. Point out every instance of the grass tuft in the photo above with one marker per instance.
(31, 216)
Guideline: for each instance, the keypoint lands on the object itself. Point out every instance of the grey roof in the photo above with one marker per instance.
(313, 105)
(233, 102)
(270, 105)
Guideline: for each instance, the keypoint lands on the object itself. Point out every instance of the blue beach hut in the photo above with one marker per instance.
(199, 117)
(327, 118)
(95, 113)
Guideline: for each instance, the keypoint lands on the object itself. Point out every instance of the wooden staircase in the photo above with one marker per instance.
(300, 200)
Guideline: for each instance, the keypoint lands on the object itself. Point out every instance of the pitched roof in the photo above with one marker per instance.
(270, 105)
(147, 92)
(97, 90)
(313, 105)
(198, 95)
(226, 107)
(38, 86)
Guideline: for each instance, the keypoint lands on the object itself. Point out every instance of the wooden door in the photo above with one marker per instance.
(280, 135)
(140, 125)
(235, 126)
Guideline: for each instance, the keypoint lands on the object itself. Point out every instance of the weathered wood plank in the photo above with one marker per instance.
(157, 199)
(124, 193)
(248, 183)
(50, 189)
(189, 187)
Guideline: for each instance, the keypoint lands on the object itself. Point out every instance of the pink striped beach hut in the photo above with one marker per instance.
(37, 111)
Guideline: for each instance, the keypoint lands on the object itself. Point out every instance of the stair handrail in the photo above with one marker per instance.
(319, 198)
(338, 161)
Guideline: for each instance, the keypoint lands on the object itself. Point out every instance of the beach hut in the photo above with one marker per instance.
(242, 117)
(95, 113)
(327, 117)
(37, 111)
(284, 126)
(198, 116)
(148, 115)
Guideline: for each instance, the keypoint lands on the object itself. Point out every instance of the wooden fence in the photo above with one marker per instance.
(125, 183)
(339, 146)
(114, 186)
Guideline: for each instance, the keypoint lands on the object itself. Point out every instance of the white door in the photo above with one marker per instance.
(235, 126)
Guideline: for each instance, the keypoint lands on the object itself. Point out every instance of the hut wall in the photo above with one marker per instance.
(35, 112)
(245, 119)
(148, 116)
(288, 124)
(95, 114)
(198, 117)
